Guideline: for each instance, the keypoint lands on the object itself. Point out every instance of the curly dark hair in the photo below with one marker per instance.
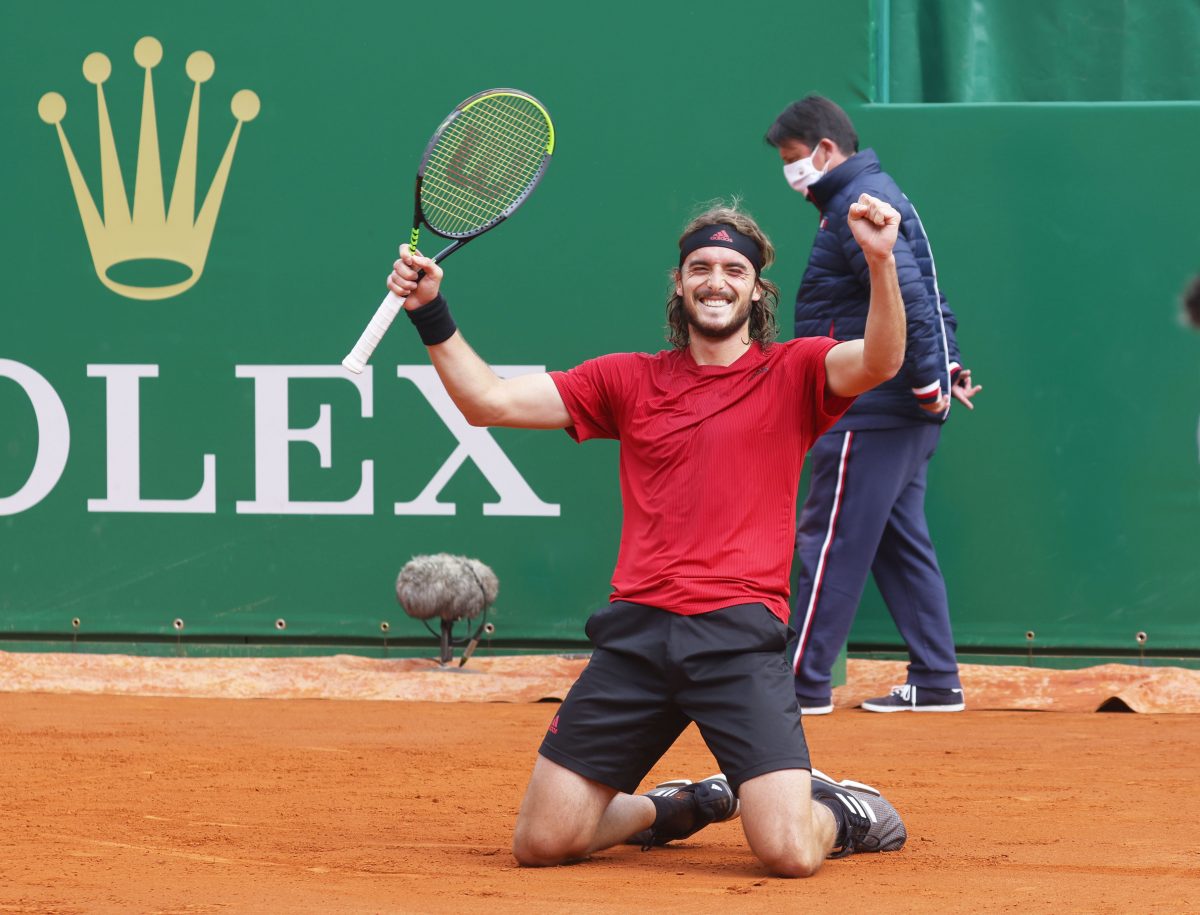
(763, 328)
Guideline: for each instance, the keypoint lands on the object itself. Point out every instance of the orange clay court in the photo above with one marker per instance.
(115, 802)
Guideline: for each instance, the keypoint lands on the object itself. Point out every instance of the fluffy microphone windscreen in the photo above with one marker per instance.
(445, 586)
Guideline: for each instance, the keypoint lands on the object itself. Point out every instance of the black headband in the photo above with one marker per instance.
(722, 236)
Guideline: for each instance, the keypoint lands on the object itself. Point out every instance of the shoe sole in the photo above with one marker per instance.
(683, 782)
(737, 804)
(961, 706)
(670, 783)
(846, 783)
(816, 710)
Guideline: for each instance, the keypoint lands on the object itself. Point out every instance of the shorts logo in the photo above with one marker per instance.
(722, 235)
(153, 229)
(553, 725)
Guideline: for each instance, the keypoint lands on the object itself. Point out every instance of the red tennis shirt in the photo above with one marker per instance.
(710, 465)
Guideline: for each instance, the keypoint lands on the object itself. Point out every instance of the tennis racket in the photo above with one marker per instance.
(480, 165)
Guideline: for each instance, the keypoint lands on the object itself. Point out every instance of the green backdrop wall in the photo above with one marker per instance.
(1037, 51)
(202, 457)
(1068, 503)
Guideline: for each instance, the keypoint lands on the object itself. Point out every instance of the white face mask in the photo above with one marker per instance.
(801, 173)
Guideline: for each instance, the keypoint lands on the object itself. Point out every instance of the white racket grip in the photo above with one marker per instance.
(382, 320)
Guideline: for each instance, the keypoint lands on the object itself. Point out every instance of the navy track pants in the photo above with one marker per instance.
(865, 512)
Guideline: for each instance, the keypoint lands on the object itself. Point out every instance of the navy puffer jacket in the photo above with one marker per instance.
(835, 295)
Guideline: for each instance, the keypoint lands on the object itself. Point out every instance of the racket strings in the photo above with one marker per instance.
(481, 179)
(484, 163)
(509, 130)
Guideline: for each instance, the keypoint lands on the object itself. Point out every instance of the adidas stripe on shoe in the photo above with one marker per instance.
(685, 807)
(866, 822)
(909, 698)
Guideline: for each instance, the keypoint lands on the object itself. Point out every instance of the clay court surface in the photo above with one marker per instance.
(127, 803)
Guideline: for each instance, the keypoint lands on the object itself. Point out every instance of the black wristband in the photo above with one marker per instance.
(433, 322)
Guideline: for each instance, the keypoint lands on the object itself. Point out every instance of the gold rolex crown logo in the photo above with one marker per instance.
(154, 231)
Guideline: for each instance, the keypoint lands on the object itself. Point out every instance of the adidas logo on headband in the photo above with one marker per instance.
(724, 236)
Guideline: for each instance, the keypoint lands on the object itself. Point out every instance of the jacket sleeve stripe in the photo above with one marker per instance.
(937, 298)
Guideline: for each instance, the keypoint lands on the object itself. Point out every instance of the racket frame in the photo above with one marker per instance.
(463, 237)
(356, 360)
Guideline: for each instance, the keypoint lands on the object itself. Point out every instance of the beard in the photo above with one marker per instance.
(738, 319)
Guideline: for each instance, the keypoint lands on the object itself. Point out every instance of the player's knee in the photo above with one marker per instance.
(541, 848)
(528, 854)
(793, 862)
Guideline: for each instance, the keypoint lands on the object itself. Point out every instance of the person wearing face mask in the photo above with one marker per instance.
(865, 509)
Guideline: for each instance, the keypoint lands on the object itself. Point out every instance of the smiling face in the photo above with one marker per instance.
(718, 286)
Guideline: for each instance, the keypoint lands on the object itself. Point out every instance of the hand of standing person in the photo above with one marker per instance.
(963, 390)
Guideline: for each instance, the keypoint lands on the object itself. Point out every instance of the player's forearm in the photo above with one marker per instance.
(469, 381)
(884, 336)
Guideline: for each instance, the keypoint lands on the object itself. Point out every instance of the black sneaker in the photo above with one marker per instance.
(813, 709)
(866, 822)
(909, 698)
(685, 807)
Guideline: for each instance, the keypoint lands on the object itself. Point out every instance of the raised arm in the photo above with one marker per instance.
(485, 399)
(859, 365)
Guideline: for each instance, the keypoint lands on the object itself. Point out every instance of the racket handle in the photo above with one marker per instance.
(382, 320)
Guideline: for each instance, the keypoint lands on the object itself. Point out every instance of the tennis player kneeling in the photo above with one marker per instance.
(713, 434)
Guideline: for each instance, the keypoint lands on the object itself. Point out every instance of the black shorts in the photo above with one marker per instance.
(653, 672)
